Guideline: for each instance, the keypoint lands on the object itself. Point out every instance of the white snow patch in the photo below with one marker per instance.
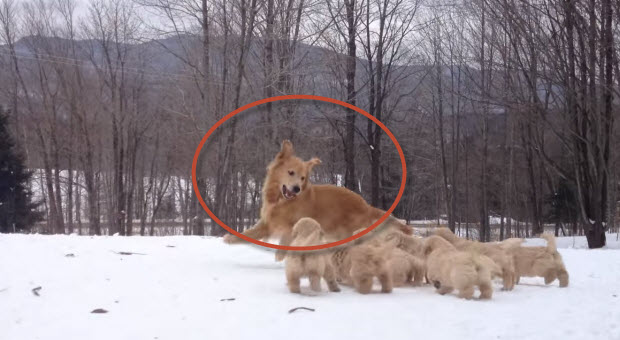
(174, 291)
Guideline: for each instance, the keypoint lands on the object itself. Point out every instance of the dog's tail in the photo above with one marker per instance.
(398, 224)
(551, 246)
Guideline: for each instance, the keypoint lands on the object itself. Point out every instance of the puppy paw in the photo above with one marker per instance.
(280, 255)
(230, 239)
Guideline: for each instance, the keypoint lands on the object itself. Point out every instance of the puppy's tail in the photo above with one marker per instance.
(393, 222)
(551, 246)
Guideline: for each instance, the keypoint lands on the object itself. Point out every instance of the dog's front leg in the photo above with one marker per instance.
(257, 232)
(284, 241)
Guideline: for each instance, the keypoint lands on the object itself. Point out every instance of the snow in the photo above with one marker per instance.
(173, 291)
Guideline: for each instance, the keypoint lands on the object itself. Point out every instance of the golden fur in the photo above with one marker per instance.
(544, 262)
(406, 268)
(370, 259)
(307, 232)
(499, 252)
(338, 210)
(406, 260)
(358, 263)
(449, 269)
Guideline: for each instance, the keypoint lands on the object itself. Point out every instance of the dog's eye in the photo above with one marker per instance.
(291, 172)
(303, 178)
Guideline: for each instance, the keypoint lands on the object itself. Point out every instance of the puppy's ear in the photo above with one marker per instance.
(312, 162)
(286, 150)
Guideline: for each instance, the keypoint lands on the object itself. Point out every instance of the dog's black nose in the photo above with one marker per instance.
(296, 189)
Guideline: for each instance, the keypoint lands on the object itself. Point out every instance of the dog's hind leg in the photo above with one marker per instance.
(550, 276)
(293, 282)
(563, 277)
(284, 241)
(315, 281)
(387, 283)
(330, 277)
(257, 232)
(486, 290)
(363, 283)
(508, 280)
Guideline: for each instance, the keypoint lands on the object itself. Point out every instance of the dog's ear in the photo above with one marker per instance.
(286, 150)
(312, 162)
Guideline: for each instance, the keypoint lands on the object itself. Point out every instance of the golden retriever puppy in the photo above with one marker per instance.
(370, 259)
(411, 244)
(307, 232)
(544, 262)
(449, 269)
(358, 263)
(406, 268)
(406, 260)
(288, 195)
(499, 252)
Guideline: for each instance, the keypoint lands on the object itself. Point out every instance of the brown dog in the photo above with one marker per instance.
(544, 262)
(307, 232)
(288, 196)
(499, 252)
(449, 269)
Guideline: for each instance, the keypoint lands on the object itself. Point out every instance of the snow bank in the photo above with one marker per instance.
(175, 291)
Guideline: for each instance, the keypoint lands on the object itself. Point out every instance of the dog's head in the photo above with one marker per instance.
(446, 234)
(290, 171)
(433, 243)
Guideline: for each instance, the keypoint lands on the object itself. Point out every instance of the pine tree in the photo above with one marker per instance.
(17, 211)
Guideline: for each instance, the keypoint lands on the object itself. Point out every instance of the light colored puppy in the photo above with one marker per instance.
(499, 252)
(544, 262)
(307, 232)
(406, 268)
(370, 259)
(407, 260)
(449, 269)
(361, 261)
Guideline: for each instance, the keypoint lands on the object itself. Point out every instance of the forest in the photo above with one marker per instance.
(505, 109)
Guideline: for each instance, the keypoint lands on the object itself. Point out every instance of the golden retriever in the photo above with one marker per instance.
(544, 262)
(307, 232)
(406, 269)
(449, 269)
(370, 259)
(499, 252)
(288, 196)
(406, 260)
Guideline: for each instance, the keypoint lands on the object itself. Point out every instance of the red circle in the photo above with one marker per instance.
(309, 97)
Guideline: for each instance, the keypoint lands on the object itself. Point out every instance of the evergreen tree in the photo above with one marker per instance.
(17, 211)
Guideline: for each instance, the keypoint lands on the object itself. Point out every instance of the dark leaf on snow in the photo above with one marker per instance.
(36, 290)
(99, 311)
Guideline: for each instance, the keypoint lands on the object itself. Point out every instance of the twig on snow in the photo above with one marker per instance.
(298, 308)
(126, 253)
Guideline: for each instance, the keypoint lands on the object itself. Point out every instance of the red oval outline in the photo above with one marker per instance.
(307, 97)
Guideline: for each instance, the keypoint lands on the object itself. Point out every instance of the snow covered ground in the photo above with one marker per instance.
(175, 291)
